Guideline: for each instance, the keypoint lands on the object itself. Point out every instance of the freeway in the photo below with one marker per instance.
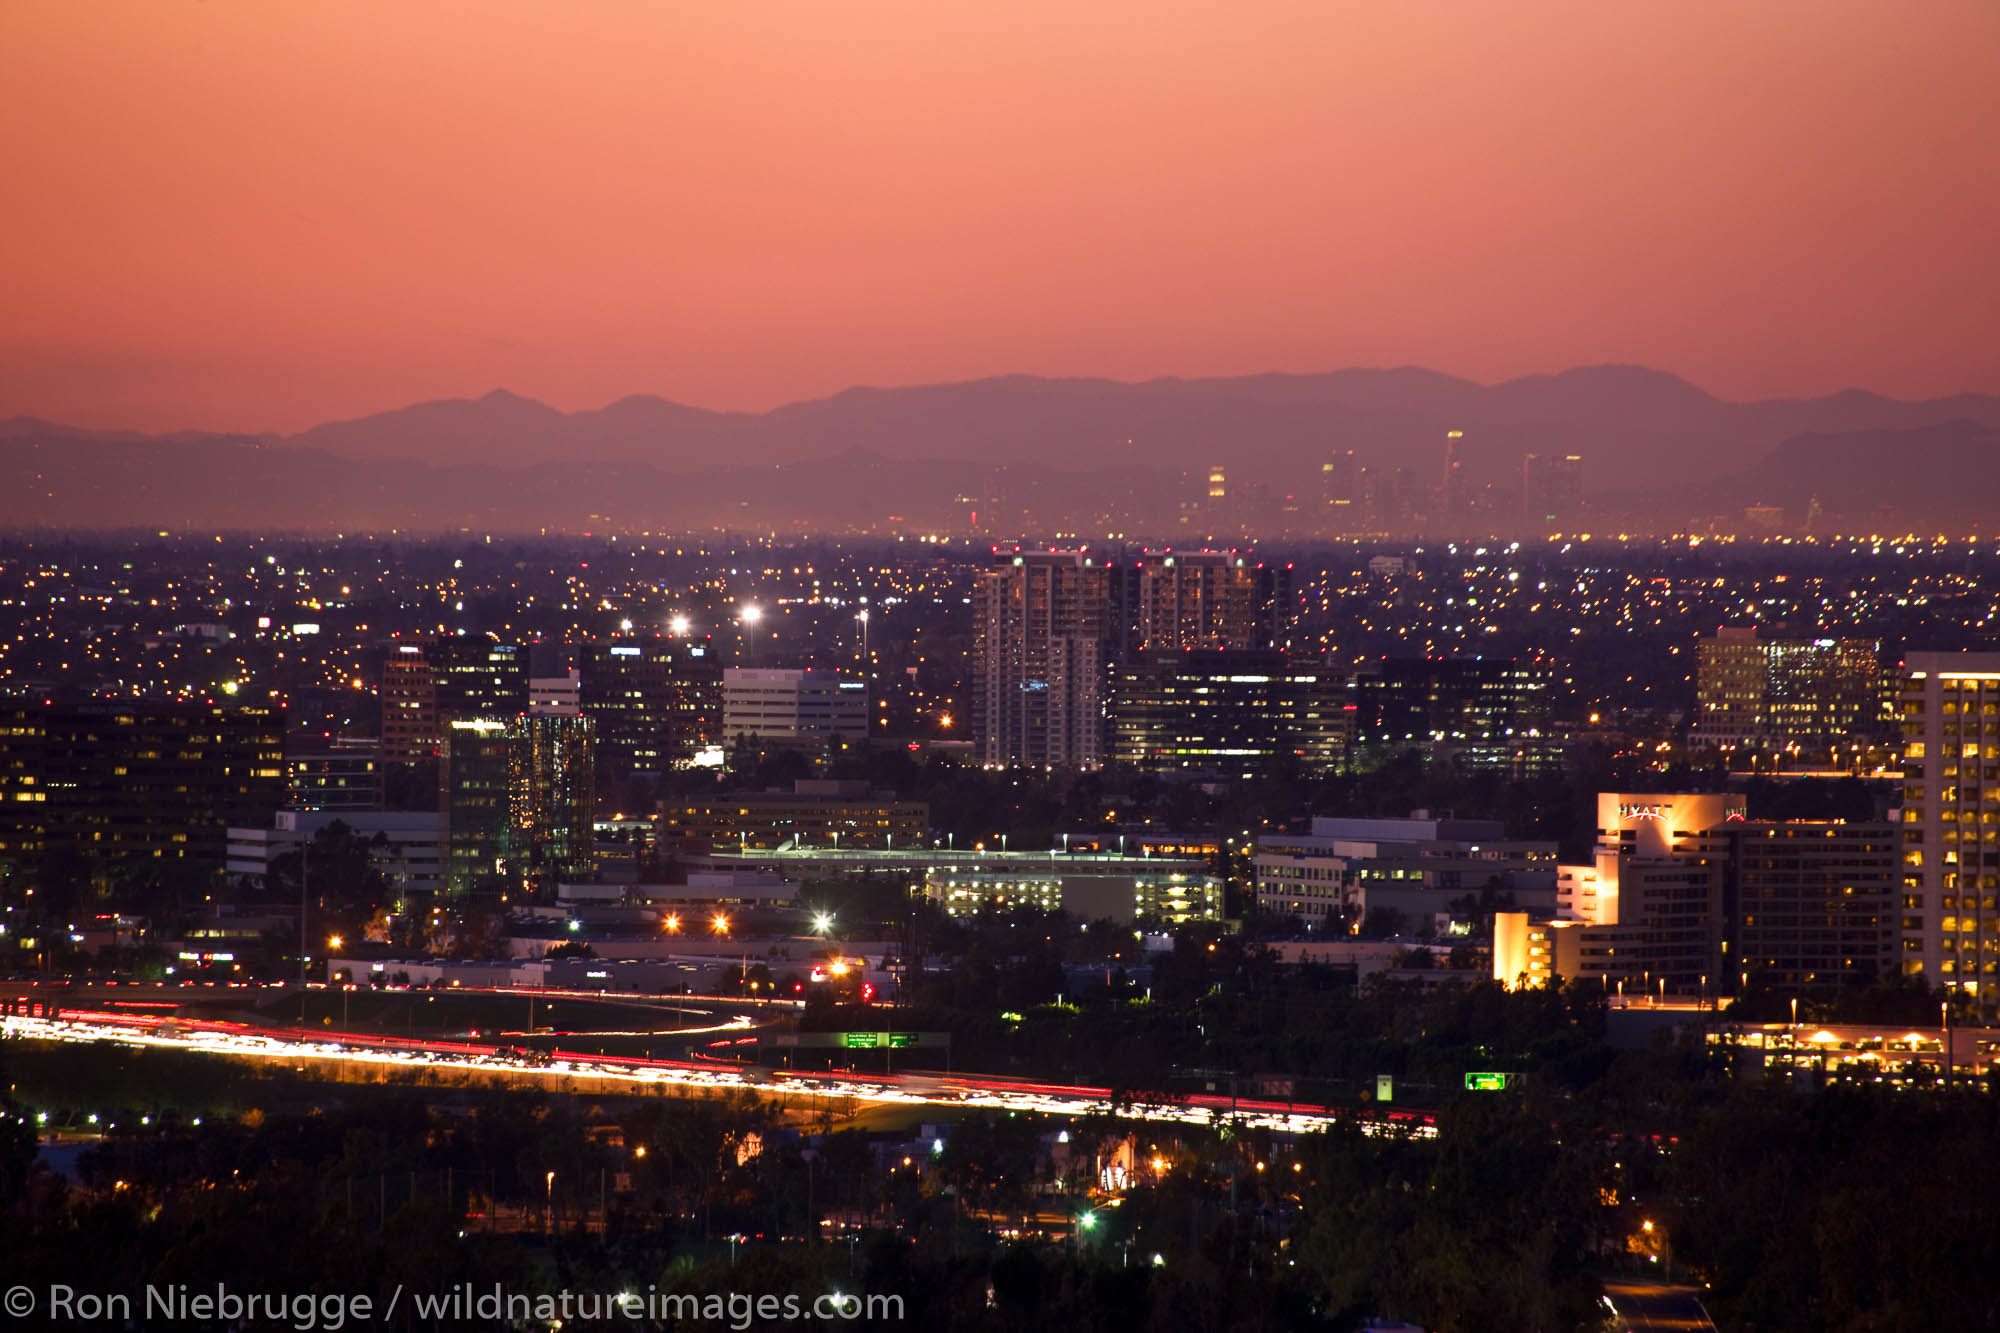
(1636, 1306)
(247, 1042)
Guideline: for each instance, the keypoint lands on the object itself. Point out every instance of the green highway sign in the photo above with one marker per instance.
(877, 1041)
(860, 1041)
(1488, 1082)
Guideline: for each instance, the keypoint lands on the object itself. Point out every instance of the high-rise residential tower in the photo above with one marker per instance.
(1045, 622)
(1210, 599)
(1950, 927)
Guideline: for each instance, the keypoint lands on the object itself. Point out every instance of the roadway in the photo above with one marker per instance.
(89, 1017)
(1645, 1305)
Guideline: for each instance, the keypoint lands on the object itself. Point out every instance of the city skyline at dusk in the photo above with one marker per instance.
(259, 218)
(1310, 664)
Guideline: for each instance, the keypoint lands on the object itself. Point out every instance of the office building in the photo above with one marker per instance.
(829, 814)
(1455, 492)
(409, 707)
(1551, 490)
(657, 703)
(551, 792)
(557, 696)
(1477, 713)
(1229, 714)
(1153, 894)
(1729, 688)
(1045, 625)
(477, 676)
(1422, 870)
(404, 847)
(158, 780)
(1646, 915)
(807, 706)
(1685, 896)
(1340, 495)
(1808, 905)
(347, 776)
(1950, 819)
(1825, 693)
(23, 784)
(1808, 697)
(475, 824)
(110, 784)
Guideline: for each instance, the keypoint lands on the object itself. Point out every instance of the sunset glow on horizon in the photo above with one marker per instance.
(257, 216)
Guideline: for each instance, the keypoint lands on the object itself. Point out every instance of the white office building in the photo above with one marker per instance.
(1418, 867)
(805, 705)
(556, 696)
(407, 856)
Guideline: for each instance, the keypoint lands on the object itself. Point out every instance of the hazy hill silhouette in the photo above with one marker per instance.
(1946, 475)
(1021, 445)
(1643, 424)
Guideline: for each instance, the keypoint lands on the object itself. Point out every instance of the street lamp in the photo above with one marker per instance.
(679, 625)
(1086, 1222)
(1944, 1021)
(822, 922)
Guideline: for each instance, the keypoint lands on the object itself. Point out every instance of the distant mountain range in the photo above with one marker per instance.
(1047, 452)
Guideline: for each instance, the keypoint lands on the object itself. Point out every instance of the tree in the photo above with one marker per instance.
(1417, 960)
(341, 870)
(19, 1143)
(1477, 909)
(1382, 923)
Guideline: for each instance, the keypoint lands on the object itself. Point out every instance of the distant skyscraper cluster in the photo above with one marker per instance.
(1545, 495)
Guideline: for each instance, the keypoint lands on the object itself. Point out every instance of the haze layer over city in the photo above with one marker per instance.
(1197, 668)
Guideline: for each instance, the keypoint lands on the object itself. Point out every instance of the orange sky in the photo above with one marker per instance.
(250, 214)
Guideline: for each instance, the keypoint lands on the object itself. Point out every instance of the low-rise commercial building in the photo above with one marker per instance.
(812, 814)
(402, 846)
(1166, 896)
(1418, 868)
